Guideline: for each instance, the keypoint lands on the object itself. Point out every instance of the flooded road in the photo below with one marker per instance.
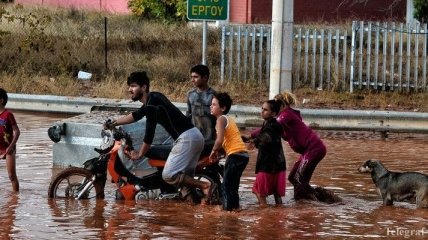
(31, 215)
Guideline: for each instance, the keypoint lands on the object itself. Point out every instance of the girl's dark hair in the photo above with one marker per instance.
(139, 78)
(3, 95)
(274, 106)
(224, 100)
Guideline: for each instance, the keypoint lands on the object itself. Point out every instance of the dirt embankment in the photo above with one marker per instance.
(386, 101)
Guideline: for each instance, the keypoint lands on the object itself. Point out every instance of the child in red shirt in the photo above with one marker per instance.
(9, 134)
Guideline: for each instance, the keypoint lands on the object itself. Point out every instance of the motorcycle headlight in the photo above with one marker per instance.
(108, 140)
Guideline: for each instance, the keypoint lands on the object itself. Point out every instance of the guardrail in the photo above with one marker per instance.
(246, 116)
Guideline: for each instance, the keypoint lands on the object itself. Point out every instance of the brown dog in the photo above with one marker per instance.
(397, 186)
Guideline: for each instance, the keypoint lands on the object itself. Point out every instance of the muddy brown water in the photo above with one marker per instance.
(31, 215)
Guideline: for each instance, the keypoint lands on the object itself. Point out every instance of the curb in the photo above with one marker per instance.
(246, 116)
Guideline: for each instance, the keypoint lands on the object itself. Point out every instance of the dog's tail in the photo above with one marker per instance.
(326, 196)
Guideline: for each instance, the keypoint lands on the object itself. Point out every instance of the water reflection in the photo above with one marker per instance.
(8, 204)
(30, 215)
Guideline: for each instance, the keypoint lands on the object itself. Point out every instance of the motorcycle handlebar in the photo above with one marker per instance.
(118, 133)
(109, 124)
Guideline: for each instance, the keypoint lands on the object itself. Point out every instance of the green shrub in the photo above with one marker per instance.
(421, 10)
(166, 10)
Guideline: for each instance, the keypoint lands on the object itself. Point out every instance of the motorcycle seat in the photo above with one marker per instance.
(161, 152)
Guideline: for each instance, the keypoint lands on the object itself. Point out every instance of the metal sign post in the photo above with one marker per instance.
(207, 10)
(204, 42)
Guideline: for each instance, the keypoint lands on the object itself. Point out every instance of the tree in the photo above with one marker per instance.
(421, 10)
(167, 10)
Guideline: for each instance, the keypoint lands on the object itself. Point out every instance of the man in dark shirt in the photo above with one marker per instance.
(188, 140)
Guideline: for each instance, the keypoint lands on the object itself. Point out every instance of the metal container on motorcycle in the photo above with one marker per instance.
(81, 134)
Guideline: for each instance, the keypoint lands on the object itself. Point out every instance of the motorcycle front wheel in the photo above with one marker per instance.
(74, 183)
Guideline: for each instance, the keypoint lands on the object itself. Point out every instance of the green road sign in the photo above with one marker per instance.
(213, 10)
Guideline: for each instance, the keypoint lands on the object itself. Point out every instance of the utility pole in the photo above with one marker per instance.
(410, 19)
(282, 47)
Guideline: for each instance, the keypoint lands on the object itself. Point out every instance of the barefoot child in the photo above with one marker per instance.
(228, 138)
(270, 165)
(9, 134)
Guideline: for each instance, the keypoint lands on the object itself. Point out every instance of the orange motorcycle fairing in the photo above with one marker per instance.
(156, 163)
(115, 177)
(128, 191)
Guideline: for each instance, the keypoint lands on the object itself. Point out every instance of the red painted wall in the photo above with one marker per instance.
(342, 10)
(238, 11)
(260, 11)
(114, 6)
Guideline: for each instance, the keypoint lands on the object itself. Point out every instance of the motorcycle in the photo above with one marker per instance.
(89, 181)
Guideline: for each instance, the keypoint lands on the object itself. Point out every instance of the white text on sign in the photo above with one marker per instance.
(215, 1)
(207, 10)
